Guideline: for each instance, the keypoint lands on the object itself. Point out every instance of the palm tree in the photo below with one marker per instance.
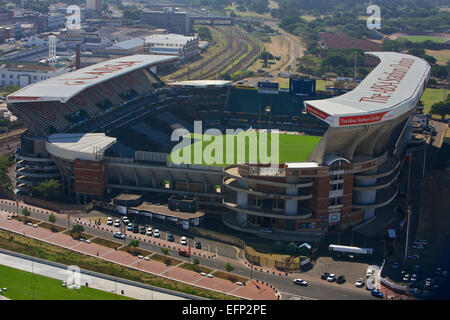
(229, 268)
(165, 251)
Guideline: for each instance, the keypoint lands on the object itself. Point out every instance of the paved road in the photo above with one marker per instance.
(317, 289)
(93, 282)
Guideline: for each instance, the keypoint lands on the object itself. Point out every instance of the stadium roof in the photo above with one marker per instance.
(63, 87)
(201, 83)
(390, 90)
(79, 146)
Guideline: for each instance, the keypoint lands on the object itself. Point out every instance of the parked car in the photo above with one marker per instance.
(395, 265)
(369, 273)
(156, 233)
(119, 235)
(331, 278)
(300, 282)
(416, 268)
(370, 285)
(149, 232)
(359, 283)
(418, 246)
(414, 278)
(125, 219)
(406, 278)
(117, 223)
(183, 252)
(135, 228)
(423, 242)
(438, 271)
(376, 293)
(324, 276)
(340, 279)
(170, 237)
(183, 241)
(109, 222)
(198, 245)
(414, 257)
(130, 226)
(142, 230)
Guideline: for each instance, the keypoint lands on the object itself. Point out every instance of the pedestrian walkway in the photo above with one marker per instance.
(263, 291)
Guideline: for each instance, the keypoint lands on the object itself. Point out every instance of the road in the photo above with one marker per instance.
(294, 47)
(317, 289)
(93, 281)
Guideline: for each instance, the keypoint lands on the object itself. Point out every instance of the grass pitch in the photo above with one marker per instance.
(424, 38)
(291, 148)
(23, 285)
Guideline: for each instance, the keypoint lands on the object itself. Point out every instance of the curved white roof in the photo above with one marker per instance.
(63, 87)
(201, 83)
(79, 146)
(390, 90)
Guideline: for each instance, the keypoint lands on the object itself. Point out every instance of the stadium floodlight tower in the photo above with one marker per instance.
(52, 49)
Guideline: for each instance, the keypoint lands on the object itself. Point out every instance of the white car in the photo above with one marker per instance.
(359, 283)
(300, 282)
(119, 235)
(35, 225)
(29, 224)
(369, 273)
(149, 232)
(109, 222)
(183, 241)
(130, 226)
(125, 219)
(117, 223)
(9, 218)
(140, 257)
(156, 233)
(88, 241)
(331, 278)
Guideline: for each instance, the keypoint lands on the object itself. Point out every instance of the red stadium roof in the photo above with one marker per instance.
(63, 87)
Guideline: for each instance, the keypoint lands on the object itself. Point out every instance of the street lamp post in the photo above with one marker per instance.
(407, 233)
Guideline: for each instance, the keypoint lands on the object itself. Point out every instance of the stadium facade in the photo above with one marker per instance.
(348, 179)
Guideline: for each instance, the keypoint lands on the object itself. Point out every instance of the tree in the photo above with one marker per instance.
(134, 243)
(52, 218)
(26, 212)
(291, 249)
(439, 71)
(196, 263)
(277, 246)
(78, 228)
(48, 190)
(165, 252)
(229, 268)
(441, 108)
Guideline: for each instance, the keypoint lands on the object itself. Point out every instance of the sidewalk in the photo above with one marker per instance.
(250, 290)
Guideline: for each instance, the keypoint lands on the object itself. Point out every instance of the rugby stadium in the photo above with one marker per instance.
(107, 129)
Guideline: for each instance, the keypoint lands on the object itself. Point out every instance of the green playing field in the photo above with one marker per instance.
(291, 148)
(22, 285)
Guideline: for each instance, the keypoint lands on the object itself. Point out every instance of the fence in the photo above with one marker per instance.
(217, 236)
(49, 205)
(286, 265)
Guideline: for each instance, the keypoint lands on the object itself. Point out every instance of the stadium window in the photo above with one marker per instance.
(11, 76)
(3, 75)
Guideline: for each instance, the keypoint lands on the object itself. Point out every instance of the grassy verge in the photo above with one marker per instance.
(78, 235)
(136, 251)
(106, 243)
(198, 269)
(430, 96)
(51, 226)
(42, 250)
(25, 219)
(229, 276)
(24, 285)
(170, 261)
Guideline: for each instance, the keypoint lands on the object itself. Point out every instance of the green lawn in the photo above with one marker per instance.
(430, 96)
(292, 148)
(424, 38)
(20, 286)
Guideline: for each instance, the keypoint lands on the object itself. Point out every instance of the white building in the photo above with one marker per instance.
(185, 47)
(21, 75)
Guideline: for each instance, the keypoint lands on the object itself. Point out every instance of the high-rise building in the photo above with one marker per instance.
(174, 21)
(96, 5)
